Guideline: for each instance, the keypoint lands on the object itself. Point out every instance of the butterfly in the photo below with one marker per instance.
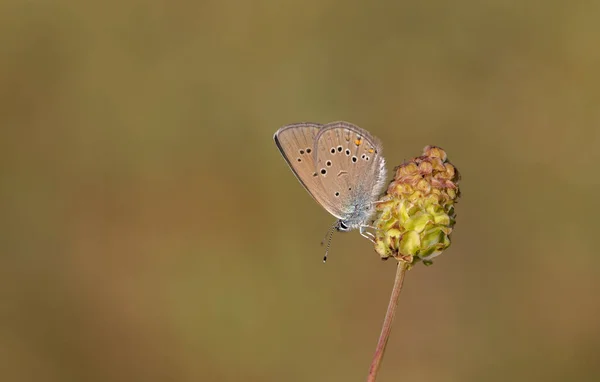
(340, 165)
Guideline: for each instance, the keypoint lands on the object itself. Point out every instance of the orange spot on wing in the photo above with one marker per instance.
(357, 142)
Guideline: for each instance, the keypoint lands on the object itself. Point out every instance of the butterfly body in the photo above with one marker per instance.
(340, 165)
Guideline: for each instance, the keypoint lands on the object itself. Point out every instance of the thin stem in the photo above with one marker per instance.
(387, 322)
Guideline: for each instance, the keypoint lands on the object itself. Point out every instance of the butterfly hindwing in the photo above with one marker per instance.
(355, 166)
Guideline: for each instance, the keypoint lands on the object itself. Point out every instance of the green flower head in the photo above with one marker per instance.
(416, 216)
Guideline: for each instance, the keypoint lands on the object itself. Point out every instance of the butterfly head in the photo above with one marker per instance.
(342, 226)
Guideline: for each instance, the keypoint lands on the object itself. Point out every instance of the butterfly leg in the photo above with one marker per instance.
(364, 233)
(380, 201)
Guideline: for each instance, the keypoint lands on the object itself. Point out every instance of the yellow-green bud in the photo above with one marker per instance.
(416, 216)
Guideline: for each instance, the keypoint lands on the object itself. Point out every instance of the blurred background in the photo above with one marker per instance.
(151, 231)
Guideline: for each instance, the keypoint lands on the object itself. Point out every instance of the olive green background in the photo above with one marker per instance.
(151, 231)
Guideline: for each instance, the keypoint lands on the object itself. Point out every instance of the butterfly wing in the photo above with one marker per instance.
(339, 164)
(354, 169)
(296, 143)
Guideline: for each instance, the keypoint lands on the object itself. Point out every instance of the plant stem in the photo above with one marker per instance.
(387, 322)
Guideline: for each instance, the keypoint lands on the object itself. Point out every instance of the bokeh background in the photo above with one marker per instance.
(152, 232)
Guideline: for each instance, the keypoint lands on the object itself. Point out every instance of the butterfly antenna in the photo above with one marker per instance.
(328, 237)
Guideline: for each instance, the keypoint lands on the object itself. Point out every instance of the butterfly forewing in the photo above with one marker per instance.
(297, 144)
